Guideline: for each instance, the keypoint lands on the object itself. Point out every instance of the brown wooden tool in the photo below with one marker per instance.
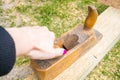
(76, 42)
(72, 40)
(91, 18)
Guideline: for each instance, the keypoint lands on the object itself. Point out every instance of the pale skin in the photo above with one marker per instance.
(35, 42)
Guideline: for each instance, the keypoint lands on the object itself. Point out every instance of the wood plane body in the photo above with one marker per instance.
(49, 69)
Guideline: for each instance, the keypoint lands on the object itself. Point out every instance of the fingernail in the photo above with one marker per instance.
(64, 52)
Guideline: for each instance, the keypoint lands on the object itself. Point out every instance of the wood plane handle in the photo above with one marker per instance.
(91, 18)
(59, 44)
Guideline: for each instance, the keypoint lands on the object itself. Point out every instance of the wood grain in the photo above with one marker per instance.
(91, 18)
(113, 3)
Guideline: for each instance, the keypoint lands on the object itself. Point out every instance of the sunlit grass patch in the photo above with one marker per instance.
(20, 61)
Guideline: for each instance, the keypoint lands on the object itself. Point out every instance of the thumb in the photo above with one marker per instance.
(41, 55)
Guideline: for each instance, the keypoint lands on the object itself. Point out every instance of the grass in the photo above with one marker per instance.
(60, 16)
(50, 14)
(22, 61)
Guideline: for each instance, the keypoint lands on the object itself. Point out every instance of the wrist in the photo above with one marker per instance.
(12, 32)
(22, 39)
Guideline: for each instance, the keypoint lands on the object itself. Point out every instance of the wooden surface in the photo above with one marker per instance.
(108, 24)
(113, 3)
(91, 18)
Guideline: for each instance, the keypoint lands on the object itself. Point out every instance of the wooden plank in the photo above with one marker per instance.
(108, 24)
(113, 3)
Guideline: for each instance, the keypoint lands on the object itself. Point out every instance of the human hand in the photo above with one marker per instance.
(35, 42)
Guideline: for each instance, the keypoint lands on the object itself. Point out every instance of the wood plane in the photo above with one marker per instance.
(77, 41)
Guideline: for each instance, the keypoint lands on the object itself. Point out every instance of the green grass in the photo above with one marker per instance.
(60, 16)
(22, 61)
(0, 2)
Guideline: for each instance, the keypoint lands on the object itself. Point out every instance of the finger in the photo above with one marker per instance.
(37, 54)
(59, 52)
(41, 55)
